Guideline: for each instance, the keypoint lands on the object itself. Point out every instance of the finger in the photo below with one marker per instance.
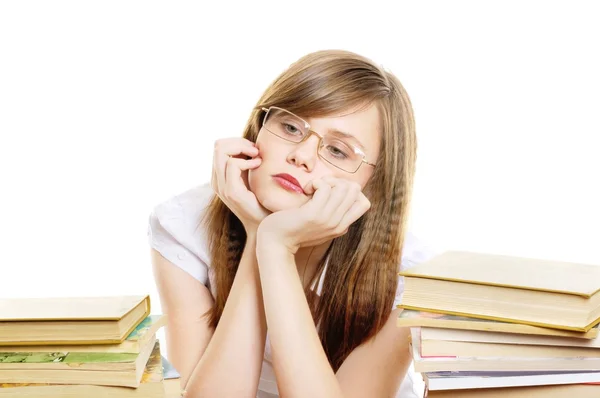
(339, 194)
(236, 152)
(310, 189)
(235, 167)
(239, 148)
(235, 188)
(322, 191)
(358, 208)
(223, 150)
(236, 147)
(351, 195)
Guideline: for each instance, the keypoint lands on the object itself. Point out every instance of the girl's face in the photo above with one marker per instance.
(302, 162)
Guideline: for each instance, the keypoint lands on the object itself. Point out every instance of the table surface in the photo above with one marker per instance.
(172, 388)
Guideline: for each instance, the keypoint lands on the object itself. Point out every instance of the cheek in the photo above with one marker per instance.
(363, 178)
(252, 180)
(360, 178)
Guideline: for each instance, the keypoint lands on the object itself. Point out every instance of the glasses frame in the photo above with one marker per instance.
(311, 132)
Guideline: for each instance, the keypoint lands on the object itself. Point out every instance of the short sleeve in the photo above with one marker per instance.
(414, 252)
(176, 232)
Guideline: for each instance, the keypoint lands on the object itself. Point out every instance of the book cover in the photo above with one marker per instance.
(151, 385)
(72, 360)
(413, 318)
(436, 381)
(69, 308)
(509, 271)
(132, 343)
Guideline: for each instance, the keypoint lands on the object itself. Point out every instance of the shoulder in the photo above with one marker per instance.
(176, 230)
(415, 251)
(191, 202)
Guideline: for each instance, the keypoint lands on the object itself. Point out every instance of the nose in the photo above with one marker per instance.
(304, 154)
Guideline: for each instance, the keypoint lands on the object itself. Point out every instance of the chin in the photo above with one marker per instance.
(274, 204)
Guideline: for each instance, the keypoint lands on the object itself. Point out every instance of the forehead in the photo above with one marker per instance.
(363, 124)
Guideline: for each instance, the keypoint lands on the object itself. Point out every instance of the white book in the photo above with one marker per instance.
(498, 364)
(505, 338)
(437, 381)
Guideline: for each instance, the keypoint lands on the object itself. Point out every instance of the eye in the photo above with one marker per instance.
(337, 152)
(291, 129)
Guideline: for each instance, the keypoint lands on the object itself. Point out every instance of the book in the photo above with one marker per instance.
(496, 364)
(444, 348)
(537, 292)
(133, 343)
(564, 391)
(437, 381)
(151, 386)
(439, 334)
(169, 371)
(411, 318)
(71, 320)
(108, 369)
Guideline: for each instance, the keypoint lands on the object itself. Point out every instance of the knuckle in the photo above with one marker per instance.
(367, 204)
(314, 220)
(340, 230)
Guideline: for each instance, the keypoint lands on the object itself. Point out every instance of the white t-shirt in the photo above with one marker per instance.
(176, 232)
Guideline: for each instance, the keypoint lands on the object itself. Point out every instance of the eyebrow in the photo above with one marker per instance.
(347, 135)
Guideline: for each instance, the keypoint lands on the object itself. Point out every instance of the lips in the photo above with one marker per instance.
(289, 182)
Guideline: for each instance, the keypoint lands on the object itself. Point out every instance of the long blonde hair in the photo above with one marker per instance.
(361, 279)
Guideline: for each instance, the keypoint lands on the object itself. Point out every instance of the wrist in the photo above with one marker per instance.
(251, 230)
(273, 241)
(251, 234)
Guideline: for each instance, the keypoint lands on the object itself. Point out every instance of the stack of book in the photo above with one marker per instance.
(486, 325)
(80, 347)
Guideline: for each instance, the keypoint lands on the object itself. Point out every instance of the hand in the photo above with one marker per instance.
(334, 206)
(230, 179)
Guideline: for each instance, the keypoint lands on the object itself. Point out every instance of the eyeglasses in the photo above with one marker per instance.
(332, 148)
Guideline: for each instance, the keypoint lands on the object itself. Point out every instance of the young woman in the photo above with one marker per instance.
(281, 277)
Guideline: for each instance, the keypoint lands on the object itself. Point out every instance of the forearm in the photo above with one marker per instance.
(301, 366)
(232, 361)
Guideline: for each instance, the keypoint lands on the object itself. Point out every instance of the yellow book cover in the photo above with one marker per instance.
(510, 289)
(132, 344)
(509, 271)
(410, 318)
(70, 320)
(69, 308)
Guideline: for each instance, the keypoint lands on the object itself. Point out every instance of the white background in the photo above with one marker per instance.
(110, 107)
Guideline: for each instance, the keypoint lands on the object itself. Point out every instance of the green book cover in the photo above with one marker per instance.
(65, 357)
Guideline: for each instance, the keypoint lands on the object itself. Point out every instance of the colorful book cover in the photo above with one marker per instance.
(140, 331)
(65, 357)
(153, 373)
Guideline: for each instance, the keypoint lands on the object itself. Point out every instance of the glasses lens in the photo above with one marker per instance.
(285, 125)
(341, 154)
